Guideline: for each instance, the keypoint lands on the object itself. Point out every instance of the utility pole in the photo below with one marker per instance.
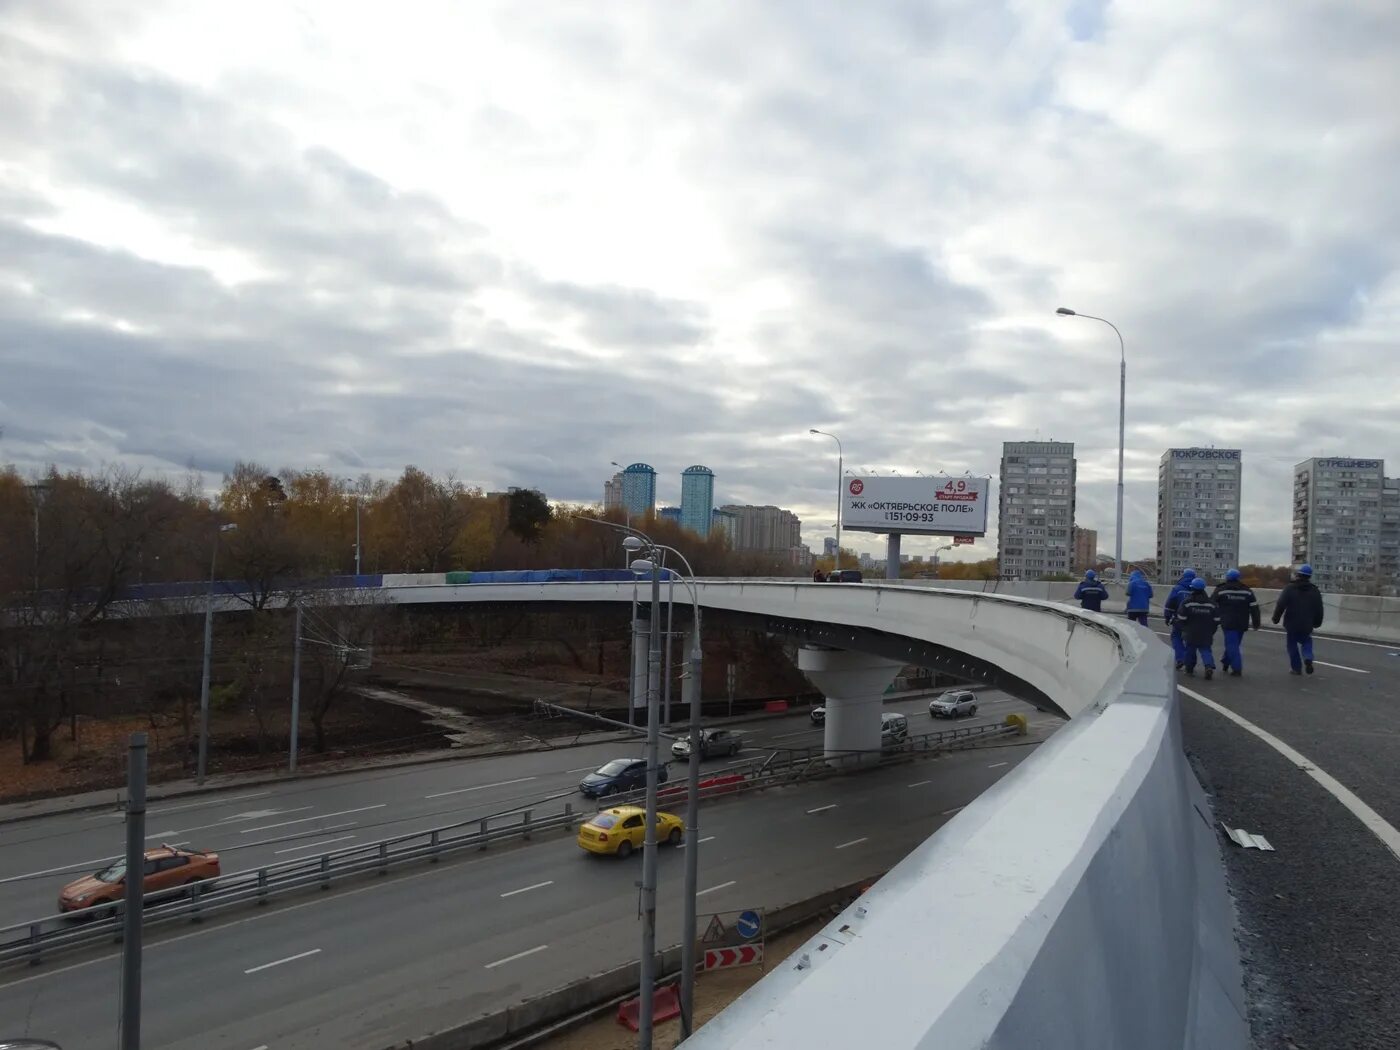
(648, 967)
(208, 654)
(296, 694)
(692, 833)
(135, 889)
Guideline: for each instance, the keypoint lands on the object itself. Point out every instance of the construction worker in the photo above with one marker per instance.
(1198, 616)
(1178, 592)
(1139, 597)
(1239, 611)
(1299, 606)
(1091, 594)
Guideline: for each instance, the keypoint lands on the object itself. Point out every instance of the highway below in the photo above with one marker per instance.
(383, 959)
(1319, 917)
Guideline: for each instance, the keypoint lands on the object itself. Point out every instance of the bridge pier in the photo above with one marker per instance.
(854, 685)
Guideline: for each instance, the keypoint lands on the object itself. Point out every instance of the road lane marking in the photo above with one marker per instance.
(263, 1047)
(854, 842)
(955, 809)
(303, 820)
(255, 815)
(822, 809)
(1375, 823)
(998, 765)
(527, 889)
(1340, 667)
(279, 962)
(714, 889)
(481, 787)
(311, 845)
(707, 838)
(206, 802)
(786, 736)
(517, 955)
(77, 865)
(297, 835)
(581, 769)
(919, 784)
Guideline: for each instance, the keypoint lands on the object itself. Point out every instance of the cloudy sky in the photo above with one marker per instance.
(518, 241)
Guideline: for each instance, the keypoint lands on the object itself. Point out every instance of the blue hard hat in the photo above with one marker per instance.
(1090, 574)
(1198, 584)
(1233, 574)
(1190, 574)
(1304, 570)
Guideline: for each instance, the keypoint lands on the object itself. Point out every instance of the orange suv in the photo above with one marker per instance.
(165, 867)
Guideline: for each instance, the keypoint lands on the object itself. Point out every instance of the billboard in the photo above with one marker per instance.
(938, 506)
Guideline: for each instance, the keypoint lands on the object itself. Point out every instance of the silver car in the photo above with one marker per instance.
(953, 704)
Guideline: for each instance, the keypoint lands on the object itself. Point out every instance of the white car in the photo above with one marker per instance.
(894, 728)
(953, 704)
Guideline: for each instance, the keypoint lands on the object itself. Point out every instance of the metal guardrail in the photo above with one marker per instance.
(32, 940)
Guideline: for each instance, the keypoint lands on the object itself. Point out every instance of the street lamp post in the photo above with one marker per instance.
(936, 552)
(208, 650)
(1065, 311)
(840, 462)
(38, 492)
(692, 807)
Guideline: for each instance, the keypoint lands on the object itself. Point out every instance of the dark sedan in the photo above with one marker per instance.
(619, 775)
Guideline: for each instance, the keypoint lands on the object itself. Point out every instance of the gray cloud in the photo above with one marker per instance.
(862, 219)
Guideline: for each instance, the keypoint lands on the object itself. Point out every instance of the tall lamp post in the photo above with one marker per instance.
(936, 552)
(208, 650)
(840, 463)
(1065, 311)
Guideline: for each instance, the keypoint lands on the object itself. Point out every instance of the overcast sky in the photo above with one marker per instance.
(518, 241)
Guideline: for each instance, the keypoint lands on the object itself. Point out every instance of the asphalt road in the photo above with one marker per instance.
(1319, 918)
(282, 822)
(402, 955)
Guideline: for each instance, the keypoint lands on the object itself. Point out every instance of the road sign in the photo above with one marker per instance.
(749, 925)
(964, 541)
(714, 932)
(723, 958)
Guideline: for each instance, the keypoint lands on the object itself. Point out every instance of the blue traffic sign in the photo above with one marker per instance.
(749, 924)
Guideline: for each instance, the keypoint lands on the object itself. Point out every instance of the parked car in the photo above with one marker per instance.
(166, 867)
(622, 829)
(714, 743)
(818, 716)
(954, 703)
(617, 776)
(894, 728)
(845, 576)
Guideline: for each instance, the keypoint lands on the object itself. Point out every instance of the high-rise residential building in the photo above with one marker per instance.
(612, 493)
(723, 521)
(1086, 549)
(1337, 522)
(670, 514)
(1390, 536)
(1036, 519)
(1198, 512)
(697, 499)
(829, 547)
(638, 490)
(769, 529)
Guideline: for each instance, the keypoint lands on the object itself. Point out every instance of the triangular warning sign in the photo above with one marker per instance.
(714, 932)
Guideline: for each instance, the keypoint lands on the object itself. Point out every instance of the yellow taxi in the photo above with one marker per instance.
(622, 829)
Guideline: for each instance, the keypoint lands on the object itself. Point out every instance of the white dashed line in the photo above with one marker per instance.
(482, 787)
(998, 765)
(853, 842)
(786, 736)
(206, 802)
(713, 889)
(279, 962)
(948, 812)
(919, 784)
(1377, 824)
(303, 820)
(822, 809)
(527, 889)
(517, 955)
(707, 838)
(312, 845)
(1341, 667)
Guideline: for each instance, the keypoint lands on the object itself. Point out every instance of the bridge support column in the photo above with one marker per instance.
(854, 686)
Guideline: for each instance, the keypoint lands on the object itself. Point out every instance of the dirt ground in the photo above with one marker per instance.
(713, 992)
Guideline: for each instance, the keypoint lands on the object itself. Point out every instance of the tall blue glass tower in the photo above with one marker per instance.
(697, 499)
